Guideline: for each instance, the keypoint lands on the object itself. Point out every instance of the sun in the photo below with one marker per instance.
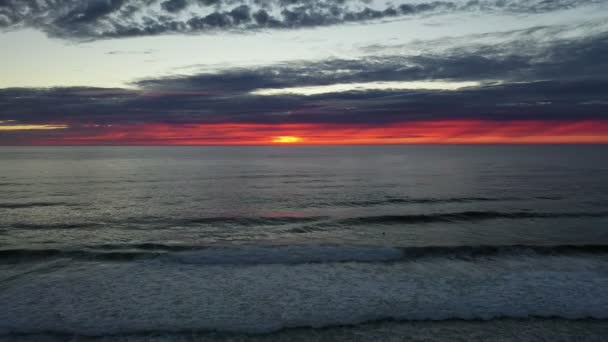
(286, 139)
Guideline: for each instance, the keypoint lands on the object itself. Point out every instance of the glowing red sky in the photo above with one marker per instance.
(420, 132)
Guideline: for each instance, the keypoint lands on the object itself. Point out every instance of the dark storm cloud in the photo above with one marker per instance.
(561, 79)
(96, 19)
(548, 100)
(521, 60)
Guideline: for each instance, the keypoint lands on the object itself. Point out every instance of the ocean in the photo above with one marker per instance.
(319, 243)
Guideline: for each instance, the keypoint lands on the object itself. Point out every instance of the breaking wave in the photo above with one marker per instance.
(292, 254)
(263, 290)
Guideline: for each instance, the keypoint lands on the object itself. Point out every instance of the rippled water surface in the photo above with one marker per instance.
(405, 196)
(100, 241)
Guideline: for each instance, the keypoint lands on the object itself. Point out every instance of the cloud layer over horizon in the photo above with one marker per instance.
(537, 73)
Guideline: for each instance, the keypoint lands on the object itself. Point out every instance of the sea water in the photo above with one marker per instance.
(303, 242)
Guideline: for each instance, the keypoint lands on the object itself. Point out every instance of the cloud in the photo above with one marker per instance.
(520, 60)
(174, 6)
(130, 52)
(565, 78)
(546, 100)
(98, 19)
(15, 127)
(447, 131)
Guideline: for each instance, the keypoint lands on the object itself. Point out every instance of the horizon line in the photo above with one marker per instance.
(331, 144)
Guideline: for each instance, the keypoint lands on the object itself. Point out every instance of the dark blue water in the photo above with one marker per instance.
(127, 240)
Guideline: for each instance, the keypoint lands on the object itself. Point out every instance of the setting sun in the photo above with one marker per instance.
(286, 140)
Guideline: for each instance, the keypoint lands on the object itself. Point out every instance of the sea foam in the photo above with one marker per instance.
(100, 298)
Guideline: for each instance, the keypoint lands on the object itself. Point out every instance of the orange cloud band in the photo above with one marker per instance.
(419, 132)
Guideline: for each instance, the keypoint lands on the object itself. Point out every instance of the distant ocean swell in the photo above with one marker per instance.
(396, 200)
(32, 205)
(366, 203)
(467, 216)
(266, 289)
(303, 224)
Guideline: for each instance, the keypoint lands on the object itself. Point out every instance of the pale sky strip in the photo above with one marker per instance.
(340, 88)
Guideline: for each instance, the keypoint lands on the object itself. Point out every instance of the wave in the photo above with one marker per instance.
(273, 176)
(30, 255)
(155, 223)
(318, 221)
(52, 226)
(33, 205)
(155, 295)
(250, 221)
(300, 224)
(292, 254)
(550, 198)
(386, 201)
(470, 252)
(246, 255)
(465, 216)
(531, 329)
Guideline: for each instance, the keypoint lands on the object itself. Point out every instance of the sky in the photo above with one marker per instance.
(238, 72)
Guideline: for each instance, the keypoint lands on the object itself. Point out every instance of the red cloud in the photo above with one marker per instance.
(418, 132)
